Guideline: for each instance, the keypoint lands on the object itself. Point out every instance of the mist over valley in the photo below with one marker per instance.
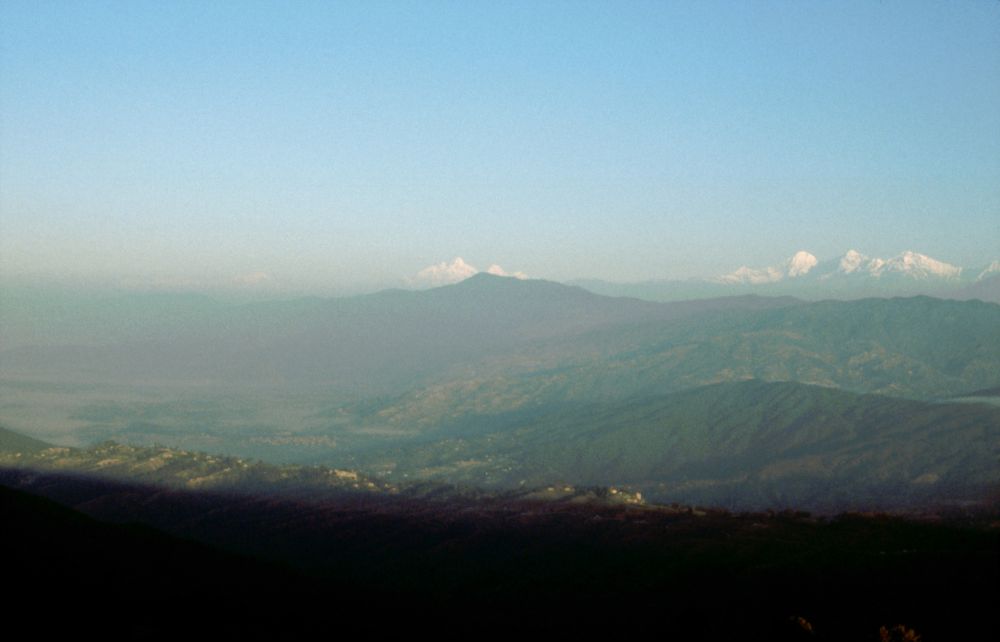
(520, 320)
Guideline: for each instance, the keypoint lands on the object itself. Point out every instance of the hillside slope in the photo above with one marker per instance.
(371, 343)
(744, 445)
(921, 348)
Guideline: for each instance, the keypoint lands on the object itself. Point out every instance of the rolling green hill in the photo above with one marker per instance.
(13, 442)
(746, 444)
(919, 348)
(494, 381)
(181, 469)
(490, 327)
(373, 343)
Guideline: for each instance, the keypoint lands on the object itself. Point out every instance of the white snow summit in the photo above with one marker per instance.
(907, 264)
(798, 265)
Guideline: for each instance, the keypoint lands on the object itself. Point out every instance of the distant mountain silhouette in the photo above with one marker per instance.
(373, 342)
(851, 276)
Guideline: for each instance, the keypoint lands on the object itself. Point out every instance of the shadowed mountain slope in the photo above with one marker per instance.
(919, 348)
(13, 442)
(455, 569)
(746, 445)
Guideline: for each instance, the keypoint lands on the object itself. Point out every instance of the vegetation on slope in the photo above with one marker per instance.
(746, 444)
(499, 570)
(918, 348)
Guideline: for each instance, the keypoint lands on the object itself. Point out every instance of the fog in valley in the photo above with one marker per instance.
(687, 311)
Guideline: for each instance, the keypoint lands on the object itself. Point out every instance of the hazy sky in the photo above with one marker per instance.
(352, 144)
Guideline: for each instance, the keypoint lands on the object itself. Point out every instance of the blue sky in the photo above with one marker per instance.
(348, 145)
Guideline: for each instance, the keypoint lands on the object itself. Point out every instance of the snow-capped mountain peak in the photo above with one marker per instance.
(908, 264)
(446, 273)
(990, 270)
(800, 264)
(919, 266)
(752, 276)
(852, 261)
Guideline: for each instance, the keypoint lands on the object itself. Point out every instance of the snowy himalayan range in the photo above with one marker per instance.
(851, 275)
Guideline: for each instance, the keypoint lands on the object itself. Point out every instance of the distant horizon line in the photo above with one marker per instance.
(261, 282)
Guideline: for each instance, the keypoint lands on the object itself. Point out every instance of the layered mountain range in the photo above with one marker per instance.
(852, 275)
(744, 401)
(908, 264)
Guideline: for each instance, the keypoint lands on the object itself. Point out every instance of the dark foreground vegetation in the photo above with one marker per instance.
(85, 554)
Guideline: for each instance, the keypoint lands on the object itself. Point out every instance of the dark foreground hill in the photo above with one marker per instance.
(452, 568)
(73, 575)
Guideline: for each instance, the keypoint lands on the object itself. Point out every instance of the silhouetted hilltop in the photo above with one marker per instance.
(460, 568)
